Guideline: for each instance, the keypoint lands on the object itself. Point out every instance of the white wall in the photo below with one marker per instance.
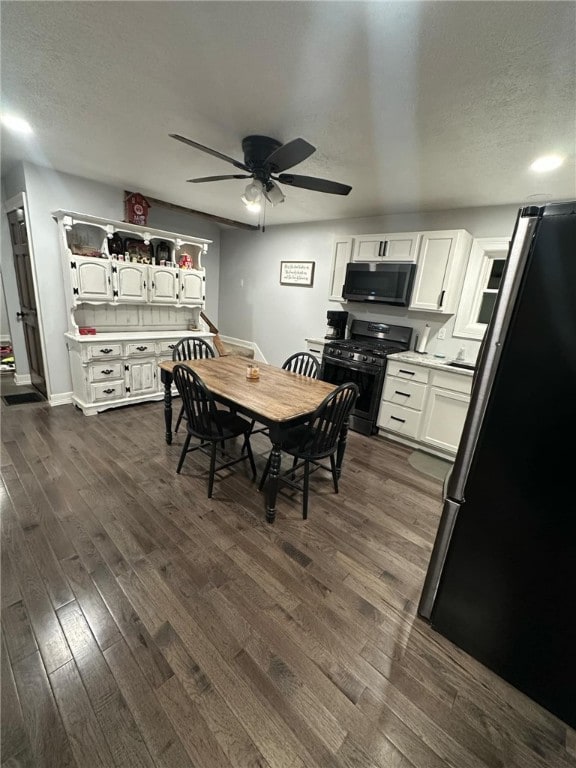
(49, 190)
(254, 306)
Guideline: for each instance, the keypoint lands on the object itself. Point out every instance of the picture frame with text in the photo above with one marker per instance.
(297, 273)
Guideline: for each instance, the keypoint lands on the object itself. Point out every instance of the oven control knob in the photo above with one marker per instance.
(364, 358)
(339, 352)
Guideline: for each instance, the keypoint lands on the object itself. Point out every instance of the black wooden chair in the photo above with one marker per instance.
(300, 362)
(190, 349)
(303, 363)
(316, 440)
(210, 425)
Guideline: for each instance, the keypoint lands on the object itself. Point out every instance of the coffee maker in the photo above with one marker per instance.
(336, 324)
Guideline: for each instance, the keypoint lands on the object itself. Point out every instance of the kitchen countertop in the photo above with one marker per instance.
(429, 361)
(316, 340)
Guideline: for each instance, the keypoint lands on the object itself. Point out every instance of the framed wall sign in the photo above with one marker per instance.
(296, 272)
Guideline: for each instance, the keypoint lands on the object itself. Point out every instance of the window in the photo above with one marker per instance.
(481, 285)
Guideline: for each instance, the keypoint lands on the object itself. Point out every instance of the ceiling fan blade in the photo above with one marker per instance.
(215, 153)
(289, 154)
(220, 178)
(318, 185)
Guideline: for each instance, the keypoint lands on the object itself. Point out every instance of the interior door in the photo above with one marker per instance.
(25, 281)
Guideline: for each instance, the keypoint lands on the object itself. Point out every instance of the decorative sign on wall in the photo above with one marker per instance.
(296, 272)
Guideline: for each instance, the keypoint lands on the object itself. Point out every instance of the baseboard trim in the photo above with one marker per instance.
(416, 445)
(21, 379)
(63, 398)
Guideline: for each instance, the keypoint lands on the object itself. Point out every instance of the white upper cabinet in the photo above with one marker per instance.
(163, 284)
(91, 279)
(191, 286)
(342, 255)
(130, 282)
(442, 259)
(399, 246)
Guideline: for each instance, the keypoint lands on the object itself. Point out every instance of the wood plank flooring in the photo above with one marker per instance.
(147, 625)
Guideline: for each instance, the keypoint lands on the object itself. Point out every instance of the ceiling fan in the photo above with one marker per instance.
(265, 159)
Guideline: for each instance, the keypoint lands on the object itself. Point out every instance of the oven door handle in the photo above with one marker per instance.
(358, 369)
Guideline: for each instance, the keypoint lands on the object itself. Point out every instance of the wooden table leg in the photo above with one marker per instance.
(166, 377)
(273, 474)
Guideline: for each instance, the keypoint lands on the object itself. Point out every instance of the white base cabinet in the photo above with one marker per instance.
(424, 406)
(316, 348)
(110, 370)
(443, 419)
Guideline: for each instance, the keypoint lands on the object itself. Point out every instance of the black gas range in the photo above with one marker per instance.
(362, 359)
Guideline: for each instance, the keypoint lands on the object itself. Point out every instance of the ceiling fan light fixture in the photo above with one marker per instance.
(273, 193)
(252, 197)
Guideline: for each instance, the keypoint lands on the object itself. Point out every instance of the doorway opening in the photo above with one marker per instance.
(28, 314)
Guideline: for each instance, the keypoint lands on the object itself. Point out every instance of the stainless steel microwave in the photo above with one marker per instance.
(384, 282)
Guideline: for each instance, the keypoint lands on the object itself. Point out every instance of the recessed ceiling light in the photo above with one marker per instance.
(17, 124)
(546, 163)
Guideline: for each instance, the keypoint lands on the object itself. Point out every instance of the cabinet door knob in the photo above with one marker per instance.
(442, 298)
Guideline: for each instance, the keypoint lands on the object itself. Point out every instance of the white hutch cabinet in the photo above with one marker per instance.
(124, 317)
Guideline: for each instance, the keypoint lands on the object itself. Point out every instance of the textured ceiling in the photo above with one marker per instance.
(418, 106)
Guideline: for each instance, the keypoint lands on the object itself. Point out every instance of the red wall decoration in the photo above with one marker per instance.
(136, 209)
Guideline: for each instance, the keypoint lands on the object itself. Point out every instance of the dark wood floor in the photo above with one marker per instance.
(146, 625)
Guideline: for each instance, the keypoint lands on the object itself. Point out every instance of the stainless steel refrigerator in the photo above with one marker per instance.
(501, 583)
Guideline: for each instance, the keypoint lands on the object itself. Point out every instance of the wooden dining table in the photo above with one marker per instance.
(278, 399)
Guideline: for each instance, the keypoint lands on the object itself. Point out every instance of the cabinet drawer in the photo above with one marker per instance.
(402, 392)
(101, 351)
(140, 348)
(315, 348)
(107, 390)
(407, 371)
(165, 348)
(398, 419)
(453, 381)
(105, 371)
